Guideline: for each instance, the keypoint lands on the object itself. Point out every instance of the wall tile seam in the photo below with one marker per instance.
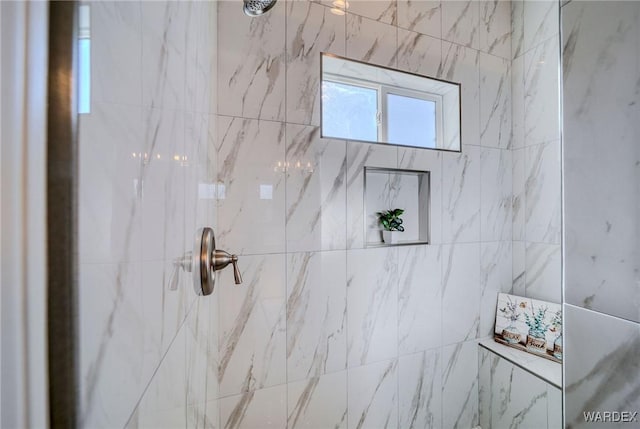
(537, 45)
(598, 313)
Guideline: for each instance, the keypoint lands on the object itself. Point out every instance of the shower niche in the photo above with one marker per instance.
(388, 189)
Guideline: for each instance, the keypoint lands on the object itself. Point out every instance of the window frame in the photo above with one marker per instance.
(382, 118)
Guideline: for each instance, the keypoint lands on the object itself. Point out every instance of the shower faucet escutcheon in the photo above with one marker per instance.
(203, 262)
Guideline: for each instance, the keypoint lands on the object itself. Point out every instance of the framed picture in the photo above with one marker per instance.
(530, 325)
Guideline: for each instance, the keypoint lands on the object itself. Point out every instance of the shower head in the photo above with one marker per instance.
(257, 7)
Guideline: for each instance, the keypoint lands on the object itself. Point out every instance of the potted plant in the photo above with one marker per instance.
(510, 334)
(391, 224)
(556, 326)
(536, 339)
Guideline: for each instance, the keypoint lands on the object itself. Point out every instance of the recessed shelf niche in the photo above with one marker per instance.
(391, 188)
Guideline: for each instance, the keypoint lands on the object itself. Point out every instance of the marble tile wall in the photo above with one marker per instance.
(322, 321)
(213, 120)
(146, 174)
(515, 398)
(536, 204)
(601, 99)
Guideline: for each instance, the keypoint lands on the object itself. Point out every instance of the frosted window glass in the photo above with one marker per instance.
(349, 111)
(411, 121)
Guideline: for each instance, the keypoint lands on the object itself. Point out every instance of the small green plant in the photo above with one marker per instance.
(390, 220)
(536, 324)
(556, 322)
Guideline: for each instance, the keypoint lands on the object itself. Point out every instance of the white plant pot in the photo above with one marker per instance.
(391, 237)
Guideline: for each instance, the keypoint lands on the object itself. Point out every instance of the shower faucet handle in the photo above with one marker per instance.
(221, 259)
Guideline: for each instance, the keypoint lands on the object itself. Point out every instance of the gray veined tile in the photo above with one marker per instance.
(373, 396)
(315, 190)
(372, 305)
(420, 392)
(260, 409)
(311, 29)
(495, 102)
(517, 28)
(251, 62)
(541, 21)
(461, 292)
(496, 276)
(543, 276)
(164, 29)
(496, 195)
(460, 22)
(252, 326)
(460, 385)
(419, 298)
(421, 16)
(371, 41)
(251, 186)
(602, 370)
(319, 402)
(495, 28)
(381, 10)
(418, 53)
(316, 314)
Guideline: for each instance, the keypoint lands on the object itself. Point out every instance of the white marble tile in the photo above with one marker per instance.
(200, 177)
(602, 370)
(360, 155)
(554, 407)
(371, 41)
(163, 310)
(460, 385)
(418, 53)
(496, 276)
(212, 415)
(372, 305)
(316, 314)
(461, 196)
(542, 193)
(116, 52)
(419, 298)
(162, 182)
(460, 292)
(373, 396)
(164, 29)
(541, 21)
(311, 29)
(495, 102)
(109, 168)
(496, 195)
(200, 340)
(431, 161)
(518, 168)
(163, 403)
(421, 16)
(420, 391)
(111, 353)
(541, 93)
(460, 64)
(486, 360)
(251, 62)
(201, 65)
(543, 272)
(319, 402)
(518, 268)
(252, 325)
(602, 157)
(517, 28)
(460, 22)
(260, 409)
(251, 170)
(495, 28)
(379, 10)
(517, 103)
(513, 397)
(315, 190)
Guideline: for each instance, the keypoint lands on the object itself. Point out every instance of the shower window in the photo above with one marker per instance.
(84, 59)
(362, 110)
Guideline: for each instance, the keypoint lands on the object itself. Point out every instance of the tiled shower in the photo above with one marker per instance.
(202, 116)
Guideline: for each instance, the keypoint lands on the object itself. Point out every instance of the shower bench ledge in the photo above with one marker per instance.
(547, 370)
